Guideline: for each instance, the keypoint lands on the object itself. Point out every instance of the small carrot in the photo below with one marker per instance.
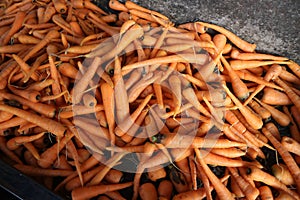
(282, 173)
(278, 116)
(147, 191)
(116, 5)
(165, 189)
(249, 191)
(92, 191)
(121, 96)
(295, 134)
(289, 77)
(265, 193)
(275, 97)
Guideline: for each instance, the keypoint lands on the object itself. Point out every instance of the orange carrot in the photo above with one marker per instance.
(278, 116)
(286, 156)
(36, 171)
(15, 142)
(92, 191)
(245, 64)
(239, 88)
(245, 46)
(295, 68)
(222, 191)
(253, 119)
(282, 173)
(265, 193)
(48, 124)
(53, 34)
(258, 175)
(291, 94)
(147, 191)
(291, 145)
(275, 97)
(272, 73)
(254, 56)
(18, 22)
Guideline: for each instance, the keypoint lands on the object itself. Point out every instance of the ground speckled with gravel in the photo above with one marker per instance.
(274, 25)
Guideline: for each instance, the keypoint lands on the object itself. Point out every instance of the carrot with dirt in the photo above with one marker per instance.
(295, 134)
(264, 113)
(249, 191)
(45, 109)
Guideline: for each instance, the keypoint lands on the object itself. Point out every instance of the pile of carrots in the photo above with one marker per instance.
(94, 104)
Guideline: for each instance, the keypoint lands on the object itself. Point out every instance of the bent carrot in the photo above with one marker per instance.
(15, 142)
(242, 44)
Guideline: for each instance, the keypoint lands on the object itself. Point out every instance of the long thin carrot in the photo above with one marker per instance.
(35, 171)
(92, 191)
(48, 124)
(246, 64)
